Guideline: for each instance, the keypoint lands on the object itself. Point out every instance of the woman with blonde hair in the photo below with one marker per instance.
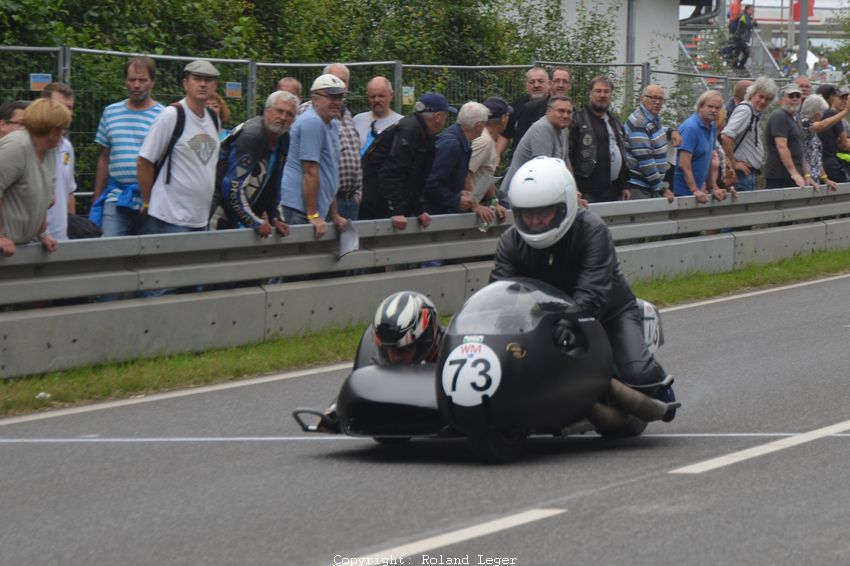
(217, 104)
(27, 165)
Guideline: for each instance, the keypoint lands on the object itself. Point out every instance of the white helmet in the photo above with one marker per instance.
(539, 183)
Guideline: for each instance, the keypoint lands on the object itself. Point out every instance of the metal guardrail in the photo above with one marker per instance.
(653, 238)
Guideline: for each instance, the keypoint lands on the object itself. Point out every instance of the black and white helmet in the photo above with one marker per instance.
(404, 319)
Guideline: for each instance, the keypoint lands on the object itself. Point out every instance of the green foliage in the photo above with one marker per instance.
(426, 32)
(216, 28)
(463, 32)
(590, 35)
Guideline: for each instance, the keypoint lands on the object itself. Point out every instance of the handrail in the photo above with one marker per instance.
(693, 63)
(765, 51)
(138, 263)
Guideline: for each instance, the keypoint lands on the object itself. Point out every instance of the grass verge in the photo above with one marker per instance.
(130, 379)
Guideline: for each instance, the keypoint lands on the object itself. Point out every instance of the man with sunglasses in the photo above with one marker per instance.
(785, 144)
(311, 175)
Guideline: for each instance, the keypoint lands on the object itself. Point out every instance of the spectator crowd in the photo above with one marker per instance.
(179, 168)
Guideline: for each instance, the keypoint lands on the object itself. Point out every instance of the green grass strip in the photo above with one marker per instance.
(141, 377)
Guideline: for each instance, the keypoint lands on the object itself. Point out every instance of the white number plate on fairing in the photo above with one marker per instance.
(470, 372)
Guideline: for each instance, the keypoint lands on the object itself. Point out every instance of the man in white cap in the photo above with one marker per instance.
(177, 178)
(311, 175)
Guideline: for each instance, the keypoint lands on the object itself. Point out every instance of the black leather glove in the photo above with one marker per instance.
(563, 334)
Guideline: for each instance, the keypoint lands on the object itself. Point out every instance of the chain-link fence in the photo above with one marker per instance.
(20, 64)
(97, 79)
(461, 84)
(268, 75)
(629, 80)
(683, 89)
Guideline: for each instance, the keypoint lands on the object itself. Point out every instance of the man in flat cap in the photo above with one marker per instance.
(177, 179)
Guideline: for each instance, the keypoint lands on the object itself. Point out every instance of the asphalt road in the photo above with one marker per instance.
(225, 477)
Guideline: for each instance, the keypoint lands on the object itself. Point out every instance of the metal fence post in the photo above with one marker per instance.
(646, 76)
(398, 85)
(64, 65)
(251, 95)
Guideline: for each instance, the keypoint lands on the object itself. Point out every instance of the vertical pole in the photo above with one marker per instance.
(398, 85)
(790, 24)
(251, 94)
(64, 65)
(803, 54)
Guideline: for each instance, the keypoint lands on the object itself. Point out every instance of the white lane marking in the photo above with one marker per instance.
(455, 537)
(754, 293)
(153, 440)
(95, 439)
(757, 451)
(172, 394)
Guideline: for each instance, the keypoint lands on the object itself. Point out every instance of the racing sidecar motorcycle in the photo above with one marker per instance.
(499, 378)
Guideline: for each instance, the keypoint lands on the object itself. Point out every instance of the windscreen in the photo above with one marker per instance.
(512, 306)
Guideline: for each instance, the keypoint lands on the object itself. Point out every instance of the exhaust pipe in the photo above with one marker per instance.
(635, 403)
(607, 418)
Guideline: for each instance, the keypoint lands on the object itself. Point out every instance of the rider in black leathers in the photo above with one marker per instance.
(575, 253)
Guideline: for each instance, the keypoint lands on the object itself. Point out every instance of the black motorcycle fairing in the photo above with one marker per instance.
(500, 368)
(367, 350)
(389, 401)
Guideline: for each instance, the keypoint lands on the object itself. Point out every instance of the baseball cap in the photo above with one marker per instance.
(498, 107)
(201, 68)
(843, 91)
(791, 88)
(330, 84)
(433, 102)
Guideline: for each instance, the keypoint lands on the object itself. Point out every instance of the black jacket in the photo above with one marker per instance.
(583, 264)
(591, 159)
(395, 169)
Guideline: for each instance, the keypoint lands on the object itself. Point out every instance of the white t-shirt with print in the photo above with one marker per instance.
(186, 200)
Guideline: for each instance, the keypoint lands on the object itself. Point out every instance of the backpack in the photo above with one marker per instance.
(753, 118)
(175, 135)
(379, 148)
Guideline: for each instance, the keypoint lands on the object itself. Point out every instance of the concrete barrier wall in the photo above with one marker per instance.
(37, 340)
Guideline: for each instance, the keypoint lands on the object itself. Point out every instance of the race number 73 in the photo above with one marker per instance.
(470, 372)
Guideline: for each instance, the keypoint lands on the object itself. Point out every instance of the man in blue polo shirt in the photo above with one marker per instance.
(693, 162)
(311, 175)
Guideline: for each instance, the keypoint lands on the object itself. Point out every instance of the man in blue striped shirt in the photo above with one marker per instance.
(646, 147)
(120, 134)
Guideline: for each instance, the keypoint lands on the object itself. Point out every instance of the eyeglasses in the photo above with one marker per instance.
(331, 96)
(655, 98)
(794, 95)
